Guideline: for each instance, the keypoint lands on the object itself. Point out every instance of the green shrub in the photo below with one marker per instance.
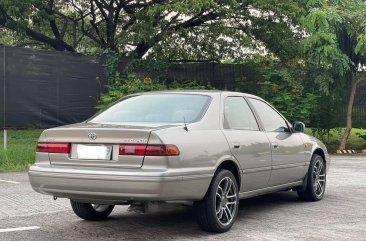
(188, 85)
(126, 82)
(361, 135)
(283, 88)
(132, 84)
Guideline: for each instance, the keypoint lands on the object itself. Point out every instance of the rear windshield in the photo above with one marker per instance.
(164, 108)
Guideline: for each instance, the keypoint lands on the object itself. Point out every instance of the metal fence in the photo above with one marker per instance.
(359, 107)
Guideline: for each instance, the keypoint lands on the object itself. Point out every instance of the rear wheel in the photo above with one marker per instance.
(91, 212)
(316, 180)
(217, 211)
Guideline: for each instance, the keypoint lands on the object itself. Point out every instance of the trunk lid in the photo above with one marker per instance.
(106, 138)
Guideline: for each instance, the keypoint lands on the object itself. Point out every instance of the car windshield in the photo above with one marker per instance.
(163, 108)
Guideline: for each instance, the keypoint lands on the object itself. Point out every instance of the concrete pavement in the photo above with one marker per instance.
(341, 215)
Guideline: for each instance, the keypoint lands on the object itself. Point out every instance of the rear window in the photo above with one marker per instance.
(164, 108)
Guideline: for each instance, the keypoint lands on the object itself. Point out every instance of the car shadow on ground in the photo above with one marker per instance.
(178, 223)
(269, 201)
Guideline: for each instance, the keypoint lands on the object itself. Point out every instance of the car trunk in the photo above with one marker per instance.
(98, 144)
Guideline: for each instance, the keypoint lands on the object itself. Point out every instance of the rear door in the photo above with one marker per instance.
(288, 158)
(247, 142)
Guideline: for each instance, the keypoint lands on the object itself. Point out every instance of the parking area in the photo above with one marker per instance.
(341, 215)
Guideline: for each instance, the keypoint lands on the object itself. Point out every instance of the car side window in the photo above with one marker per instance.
(238, 115)
(272, 121)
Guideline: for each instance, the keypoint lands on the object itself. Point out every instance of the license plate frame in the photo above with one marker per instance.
(98, 152)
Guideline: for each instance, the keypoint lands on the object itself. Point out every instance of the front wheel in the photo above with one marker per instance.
(91, 212)
(217, 211)
(316, 180)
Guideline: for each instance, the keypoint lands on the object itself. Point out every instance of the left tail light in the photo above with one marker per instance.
(54, 147)
(148, 150)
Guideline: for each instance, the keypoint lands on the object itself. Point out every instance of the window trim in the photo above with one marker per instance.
(289, 127)
(259, 124)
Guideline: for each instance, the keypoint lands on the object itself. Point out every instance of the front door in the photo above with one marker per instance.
(288, 156)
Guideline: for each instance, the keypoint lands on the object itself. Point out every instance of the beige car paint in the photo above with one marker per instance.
(176, 178)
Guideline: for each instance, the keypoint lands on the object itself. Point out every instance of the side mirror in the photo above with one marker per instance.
(298, 126)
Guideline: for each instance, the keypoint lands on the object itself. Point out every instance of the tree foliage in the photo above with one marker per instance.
(336, 41)
(177, 30)
(282, 86)
(131, 83)
(39, 22)
(335, 48)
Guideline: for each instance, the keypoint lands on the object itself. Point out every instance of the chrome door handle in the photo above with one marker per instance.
(275, 145)
(236, 145)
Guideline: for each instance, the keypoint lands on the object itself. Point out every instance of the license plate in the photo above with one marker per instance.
(93, 152)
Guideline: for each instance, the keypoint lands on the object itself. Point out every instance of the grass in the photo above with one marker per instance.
(22, 143)
(332, 140)
(21, 149)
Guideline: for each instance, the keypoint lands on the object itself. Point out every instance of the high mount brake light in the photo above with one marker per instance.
(148, 150)
(54, 147)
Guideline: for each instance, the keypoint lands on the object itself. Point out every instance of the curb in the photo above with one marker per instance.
(346, 152)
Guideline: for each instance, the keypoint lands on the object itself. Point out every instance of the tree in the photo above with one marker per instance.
(132, 27)
(171, 29)
(337, 45)
(266, 27)
(41, 21)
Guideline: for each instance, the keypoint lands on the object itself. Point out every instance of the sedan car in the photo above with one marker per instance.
(207, 148)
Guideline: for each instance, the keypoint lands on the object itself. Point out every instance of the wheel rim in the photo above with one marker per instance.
(226, 201)
(100, 207)
(318, 178)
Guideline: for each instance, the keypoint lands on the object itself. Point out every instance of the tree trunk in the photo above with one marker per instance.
(346, 134)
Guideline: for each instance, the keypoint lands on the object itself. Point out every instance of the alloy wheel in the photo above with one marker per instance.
(226, 201)
(318, 178)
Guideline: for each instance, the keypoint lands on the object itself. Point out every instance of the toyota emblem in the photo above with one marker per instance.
(92, 136)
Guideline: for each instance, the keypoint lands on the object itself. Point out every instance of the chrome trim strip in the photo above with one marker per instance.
(288, 166)
(269, 168)
(259, 169)
(269, 189)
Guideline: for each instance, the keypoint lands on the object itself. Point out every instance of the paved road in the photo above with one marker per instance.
(341, 215)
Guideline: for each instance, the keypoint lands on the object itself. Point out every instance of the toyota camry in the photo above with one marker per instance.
(205, 148)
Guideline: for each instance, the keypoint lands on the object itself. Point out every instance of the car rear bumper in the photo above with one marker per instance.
(117, 186)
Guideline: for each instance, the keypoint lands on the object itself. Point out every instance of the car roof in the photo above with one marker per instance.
(200, 92)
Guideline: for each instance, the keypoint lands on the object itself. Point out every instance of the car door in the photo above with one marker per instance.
(288, 158)
(247, 142)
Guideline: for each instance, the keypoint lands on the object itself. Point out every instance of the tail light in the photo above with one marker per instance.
(54, 147)
(148, 150)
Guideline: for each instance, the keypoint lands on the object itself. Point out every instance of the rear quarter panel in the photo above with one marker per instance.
(202, 147)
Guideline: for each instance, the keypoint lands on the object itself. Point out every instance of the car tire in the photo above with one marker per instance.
(91, 212)
(218, 210)
(316, 180)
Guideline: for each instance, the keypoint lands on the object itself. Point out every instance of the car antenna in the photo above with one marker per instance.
(185, 125)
